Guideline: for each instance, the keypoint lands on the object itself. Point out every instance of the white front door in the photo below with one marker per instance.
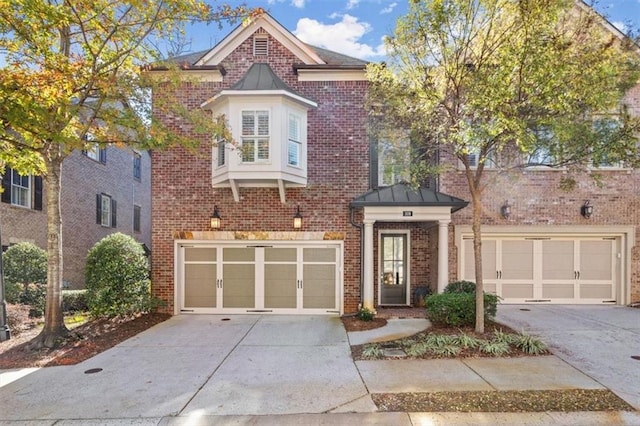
(277, 278)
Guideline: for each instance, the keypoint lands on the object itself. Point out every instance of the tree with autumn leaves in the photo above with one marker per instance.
(72, 72)
(499, 80)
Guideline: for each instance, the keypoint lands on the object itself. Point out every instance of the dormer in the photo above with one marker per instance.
(268, 122)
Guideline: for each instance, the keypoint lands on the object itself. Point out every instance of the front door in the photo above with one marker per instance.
(394, 282)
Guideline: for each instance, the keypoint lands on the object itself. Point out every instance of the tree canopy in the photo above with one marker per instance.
(71, 76)
(506, 80)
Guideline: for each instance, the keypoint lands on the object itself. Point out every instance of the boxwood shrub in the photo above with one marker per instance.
(74, 301)
(458, 309)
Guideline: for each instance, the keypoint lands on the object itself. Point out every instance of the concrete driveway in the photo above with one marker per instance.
(598, 340)
(199, 365)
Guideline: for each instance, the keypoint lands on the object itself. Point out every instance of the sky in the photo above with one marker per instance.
(357, 27)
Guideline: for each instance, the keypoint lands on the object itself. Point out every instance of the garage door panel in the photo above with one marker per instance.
(280, 286)
(595, 260)
(517, 260)
(200, 254)
(238, 286)
(558, 291)
(314, 254)
(557, 260)
(200, 286)
(319, 287)
(488, 259)
(517, 291)
(595, 291)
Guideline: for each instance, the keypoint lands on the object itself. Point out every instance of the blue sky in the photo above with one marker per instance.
(356, 27)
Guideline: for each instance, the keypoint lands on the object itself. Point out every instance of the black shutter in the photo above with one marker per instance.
(99, 209)
(6, 185)
(37, 193)
(113, 213)
(103, 155)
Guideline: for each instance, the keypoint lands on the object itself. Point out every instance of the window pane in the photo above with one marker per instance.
(106, 210)
(263, 149)
(294, 153)
(263, 123)
(137, 166)
(248, 123)
(20, 191)
(393, 161)
(136, 218)
(294, 128)
(248, 150)
(221, 153)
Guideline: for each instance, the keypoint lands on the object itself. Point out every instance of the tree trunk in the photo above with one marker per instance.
(54, 328)
(477, 254)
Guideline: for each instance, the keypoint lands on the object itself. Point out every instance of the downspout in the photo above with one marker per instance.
(360, 226)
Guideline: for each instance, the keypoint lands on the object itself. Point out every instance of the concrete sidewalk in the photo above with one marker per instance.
(245, 369)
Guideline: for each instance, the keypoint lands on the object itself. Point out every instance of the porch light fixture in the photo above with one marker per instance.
(587, 209)
(215, 218)
(297, 219)
(505, 210)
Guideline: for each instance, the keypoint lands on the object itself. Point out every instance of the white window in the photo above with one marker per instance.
(20, 189)
(540, 157)
(255, 136)
(106, 210)
(294, 147)
(394, 159)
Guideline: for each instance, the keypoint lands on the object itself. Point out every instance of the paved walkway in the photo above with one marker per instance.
(245, 369)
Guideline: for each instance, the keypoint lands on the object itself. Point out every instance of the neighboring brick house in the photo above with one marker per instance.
(306, 214)
(119, 178)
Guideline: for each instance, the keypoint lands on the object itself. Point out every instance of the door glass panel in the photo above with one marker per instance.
(393, 261)
(239, 284)
(193, 254)
(200, 286)
(557, 261)
(280, 254)
(319, 255)
(319, 290)
(517, 261)
(596, 260)
(280, 285)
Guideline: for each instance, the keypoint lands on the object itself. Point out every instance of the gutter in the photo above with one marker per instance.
(360, 226)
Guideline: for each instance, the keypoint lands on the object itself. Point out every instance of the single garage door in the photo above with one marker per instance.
(265, 278)
(547, 269)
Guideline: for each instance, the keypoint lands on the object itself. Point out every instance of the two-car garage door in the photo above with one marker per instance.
(547, 269)
(251, 278)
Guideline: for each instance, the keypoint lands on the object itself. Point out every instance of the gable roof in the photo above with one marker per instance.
(402, 194)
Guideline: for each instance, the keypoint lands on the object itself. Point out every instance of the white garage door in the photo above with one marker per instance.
(269, 278)
(547, 269)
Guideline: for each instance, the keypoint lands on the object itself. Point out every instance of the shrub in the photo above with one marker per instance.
(25, 276)
(18, 318)
(74, 301)
(458, 309)
(117, 279)
(366, 314)
(460, 287)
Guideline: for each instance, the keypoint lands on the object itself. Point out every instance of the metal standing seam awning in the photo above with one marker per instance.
(403, 203)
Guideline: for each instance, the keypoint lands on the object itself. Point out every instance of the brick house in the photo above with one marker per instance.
(307, 212)
(103, 190)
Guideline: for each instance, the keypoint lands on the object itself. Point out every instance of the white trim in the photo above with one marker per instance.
(239, 93)
(272, 27)
(400, 214)
(331, 75)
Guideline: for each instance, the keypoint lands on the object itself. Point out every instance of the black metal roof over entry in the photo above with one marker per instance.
(402, 194)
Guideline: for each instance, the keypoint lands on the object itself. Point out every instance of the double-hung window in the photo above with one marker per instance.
(20, 189)
(255, 136)
(294, 145)
(137, 166)
(105, 211)
(222, 157)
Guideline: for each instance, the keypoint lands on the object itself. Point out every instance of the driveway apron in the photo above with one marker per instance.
(199, 364)
(598, 340)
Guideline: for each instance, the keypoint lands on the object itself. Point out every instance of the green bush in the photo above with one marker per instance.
(366, 314)
(460, 287)
(458, 309)
(117, 278)
(74, 301)
(25, 276)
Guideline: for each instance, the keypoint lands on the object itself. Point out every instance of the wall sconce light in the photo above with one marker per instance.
(587, 209)
(505, 210)
(215, 218)
(297, 219)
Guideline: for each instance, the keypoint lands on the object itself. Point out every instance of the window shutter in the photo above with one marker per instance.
(37, 193)
(103, 155)
(6, 186)
(99, 209)
(113, 213)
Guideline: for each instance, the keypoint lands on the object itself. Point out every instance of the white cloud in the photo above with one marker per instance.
(352, 3)
(620, 25)
(297, 3)
(343, 37)
(389, 8)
